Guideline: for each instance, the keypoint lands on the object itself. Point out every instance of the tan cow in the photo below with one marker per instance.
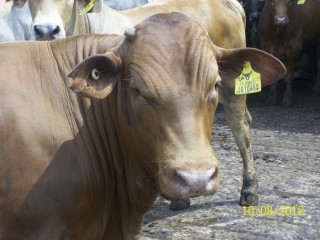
(79, 168)
(226, 30)
(54, 19)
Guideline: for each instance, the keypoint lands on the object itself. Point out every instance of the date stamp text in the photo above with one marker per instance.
(270, 211)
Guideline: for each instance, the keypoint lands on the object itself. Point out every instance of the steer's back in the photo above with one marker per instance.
(226, 30)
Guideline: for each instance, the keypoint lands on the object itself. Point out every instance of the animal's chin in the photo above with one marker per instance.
(171, 197)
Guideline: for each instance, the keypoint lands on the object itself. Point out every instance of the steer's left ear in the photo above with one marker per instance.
(95, 76)
(230, 62)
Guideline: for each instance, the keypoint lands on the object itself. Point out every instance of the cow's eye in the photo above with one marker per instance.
(135, 92)
(218, 86)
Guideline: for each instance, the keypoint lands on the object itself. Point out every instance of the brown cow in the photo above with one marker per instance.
(79, 168)
(286, 28)
(226, 30)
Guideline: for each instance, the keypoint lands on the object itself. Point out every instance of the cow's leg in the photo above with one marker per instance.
(287, 96)
(272, 96)
(239, 121)
(316, 86)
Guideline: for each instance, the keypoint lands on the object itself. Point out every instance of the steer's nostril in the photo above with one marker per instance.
(55, 31)
(179, 179)
(38, 30)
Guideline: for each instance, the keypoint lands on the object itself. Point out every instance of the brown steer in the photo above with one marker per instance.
(78, 168)
(56, 19)
(286, 28)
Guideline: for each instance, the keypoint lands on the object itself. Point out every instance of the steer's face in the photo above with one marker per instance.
(280, 9)
(172, 94)
(52, 19)
(167, 78)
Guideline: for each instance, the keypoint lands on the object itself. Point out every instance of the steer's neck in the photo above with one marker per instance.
(129, 193)
(134, 192)
(114, 177)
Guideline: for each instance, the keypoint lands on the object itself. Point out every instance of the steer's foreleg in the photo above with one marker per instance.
(239, 121)
(316, 86)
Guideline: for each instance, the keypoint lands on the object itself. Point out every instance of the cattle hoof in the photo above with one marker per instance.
(179, 204)
(249, 199)
(286, 103)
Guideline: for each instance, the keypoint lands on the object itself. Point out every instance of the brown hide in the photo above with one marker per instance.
(60, 18)
(75, 168)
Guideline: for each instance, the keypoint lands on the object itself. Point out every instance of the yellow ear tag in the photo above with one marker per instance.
(87, 8)
(300, 1)
(249, 81)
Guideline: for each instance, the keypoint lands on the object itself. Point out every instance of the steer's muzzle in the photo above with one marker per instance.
(46, 32)
(185, 182)
(281, 21)
(254, 16)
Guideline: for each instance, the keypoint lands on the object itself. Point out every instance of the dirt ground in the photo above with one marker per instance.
(286, 143)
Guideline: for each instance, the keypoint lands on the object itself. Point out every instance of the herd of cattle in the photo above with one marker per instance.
(119, 106)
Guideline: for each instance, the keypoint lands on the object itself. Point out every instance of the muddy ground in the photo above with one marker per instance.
(286, 143)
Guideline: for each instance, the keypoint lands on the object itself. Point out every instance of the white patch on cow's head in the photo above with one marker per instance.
(50, 18)
(130, 32)
(48, 23)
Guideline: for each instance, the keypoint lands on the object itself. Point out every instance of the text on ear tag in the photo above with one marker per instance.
(248, 82)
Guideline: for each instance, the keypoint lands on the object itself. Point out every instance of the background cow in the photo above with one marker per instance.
(286, 28)
(253, 9)
(15, 24)
(75, 168)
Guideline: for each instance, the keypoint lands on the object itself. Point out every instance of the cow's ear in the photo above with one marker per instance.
(96, 76)
(90, 6)
(230, 62)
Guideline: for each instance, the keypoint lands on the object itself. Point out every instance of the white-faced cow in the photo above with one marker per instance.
(15, 24)
(89, 165)
(286, 28)
(54, 19)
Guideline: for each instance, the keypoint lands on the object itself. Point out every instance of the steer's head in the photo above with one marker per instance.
(53, 18)
(166, 78)
(280, 10)
(253, 9)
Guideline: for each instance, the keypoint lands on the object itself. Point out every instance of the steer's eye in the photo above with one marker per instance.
(218, 86)
(135, 91)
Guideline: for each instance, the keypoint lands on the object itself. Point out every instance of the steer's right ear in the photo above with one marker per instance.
(95, 76)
